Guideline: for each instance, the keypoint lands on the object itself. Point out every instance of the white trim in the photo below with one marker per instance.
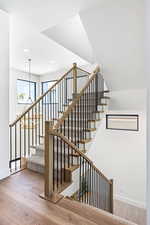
(130, 201)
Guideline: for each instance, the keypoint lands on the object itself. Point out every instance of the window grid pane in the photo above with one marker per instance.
(23, 91)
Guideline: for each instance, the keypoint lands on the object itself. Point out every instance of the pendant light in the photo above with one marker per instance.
(29, 66)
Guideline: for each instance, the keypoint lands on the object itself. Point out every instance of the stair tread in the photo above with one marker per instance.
(105, 97)
(91, 129)
(84, 141)
(92, 214)
(40, 161)
(42, 148)
(94, 120)
(72, 168)
(36, 159)
(100, 111)
(105, 91)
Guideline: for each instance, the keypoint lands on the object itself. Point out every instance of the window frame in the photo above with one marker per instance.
(43, 82)
(35, 91)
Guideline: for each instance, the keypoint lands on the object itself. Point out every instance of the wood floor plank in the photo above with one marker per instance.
(20, 204)
(26, 206)
(93, 214)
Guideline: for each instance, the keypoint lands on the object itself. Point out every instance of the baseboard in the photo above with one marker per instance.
(4, 173)
(130, 201)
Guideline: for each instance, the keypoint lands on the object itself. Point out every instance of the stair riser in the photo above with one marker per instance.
(104, 101)
(88, 116)
(74, 123)
(60, 152)
(80, 135)
(90, 94)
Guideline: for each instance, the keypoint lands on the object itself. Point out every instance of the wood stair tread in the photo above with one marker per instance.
(94, 120)
(102, 104)
(100, 111)
(97, 216)
(105, 97)
(62, 187)
(84, 141)
(91, 129)
(72, 168)
(105, 91)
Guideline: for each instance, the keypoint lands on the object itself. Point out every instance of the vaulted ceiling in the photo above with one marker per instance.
(28, 21)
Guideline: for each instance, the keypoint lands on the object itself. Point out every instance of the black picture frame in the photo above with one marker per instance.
(108, 116)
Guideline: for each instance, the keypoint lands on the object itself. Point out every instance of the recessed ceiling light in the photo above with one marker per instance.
(26, 50)
(52, 62)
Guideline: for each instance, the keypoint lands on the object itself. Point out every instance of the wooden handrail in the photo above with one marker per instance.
(55, 133)
(42, 96)
(71, 106)
(83, 70)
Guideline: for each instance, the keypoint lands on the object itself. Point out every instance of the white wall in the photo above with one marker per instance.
(53, 75)
(58, 74)
(116, 32)
(15, 108)
(121, 155)
(147, 72)
(4, 94)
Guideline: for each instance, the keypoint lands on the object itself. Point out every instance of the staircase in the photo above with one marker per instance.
(53, 135)
(74, 126)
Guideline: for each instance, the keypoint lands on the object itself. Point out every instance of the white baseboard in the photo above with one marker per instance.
(130, 201)
(4, 173)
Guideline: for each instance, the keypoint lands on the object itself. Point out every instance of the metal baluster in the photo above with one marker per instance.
(61, 155)
(32, 127)
(36, 119)
(20, 141)
(64, 155)
(39, 123)
(57, 161)
(11, 150)
(42, 117)
(15, 147)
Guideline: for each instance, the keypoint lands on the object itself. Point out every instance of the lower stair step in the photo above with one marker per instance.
(36, 163)
(92, 214)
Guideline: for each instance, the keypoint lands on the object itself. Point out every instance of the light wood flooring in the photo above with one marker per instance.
(20, 204)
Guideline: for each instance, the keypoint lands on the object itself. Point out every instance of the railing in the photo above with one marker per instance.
(61, 158)
(75, 122)
(28, 129)
(63, 153)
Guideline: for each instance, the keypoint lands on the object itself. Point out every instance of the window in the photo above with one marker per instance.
(23, 91)
(52, 98)
(47, 84)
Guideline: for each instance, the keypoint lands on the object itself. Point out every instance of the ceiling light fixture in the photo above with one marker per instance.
(52, 62)
(29, 64)
(26, 50)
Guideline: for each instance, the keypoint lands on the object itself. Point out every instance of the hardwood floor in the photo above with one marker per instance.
(20, 204)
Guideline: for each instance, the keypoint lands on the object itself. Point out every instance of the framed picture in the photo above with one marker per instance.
(128, 122)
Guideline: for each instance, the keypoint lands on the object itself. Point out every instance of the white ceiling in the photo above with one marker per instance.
(71, 34)
(28, 20)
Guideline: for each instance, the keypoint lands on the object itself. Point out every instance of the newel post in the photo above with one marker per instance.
(48, 190)
(74, 79)
(111, 196)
